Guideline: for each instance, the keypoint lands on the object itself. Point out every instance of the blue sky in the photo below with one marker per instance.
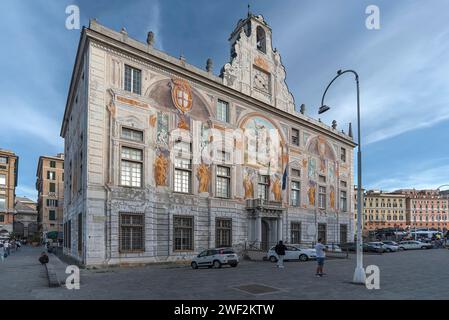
(403, 70)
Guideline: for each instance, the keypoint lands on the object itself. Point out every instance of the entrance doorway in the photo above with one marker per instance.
(265, 235)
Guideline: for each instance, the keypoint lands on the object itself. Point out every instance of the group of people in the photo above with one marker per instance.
(8, 246)
(320, 249)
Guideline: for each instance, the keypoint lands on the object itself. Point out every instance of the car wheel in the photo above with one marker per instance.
(234, 265)
(217, 264)
(401, 248)
(194, 265)
(388, 250)
(303, 257)
(423, 247)
(273, 259)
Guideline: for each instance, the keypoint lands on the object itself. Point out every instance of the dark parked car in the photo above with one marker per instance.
(351, 246)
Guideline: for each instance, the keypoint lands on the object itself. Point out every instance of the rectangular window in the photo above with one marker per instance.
(295, 233)
(131, 167)
(2, 218)
(133, 79)
(80, 233)
(322, 179)
(343, 184)
(343, 201)
(295, 137)
(52, 187)
(183, 167)
(343, 233)
(51, 175)
(262, 187)
(223, 182)
(183, 233)
(52, 203)
(131, 134)
(4, 160)
(52, 164)
(322, 233)
(52, 215)
(2, 179)
(223, 233)
(343, 154)
(322, 197)
(131, 232)
(223, 111)
(296, 192)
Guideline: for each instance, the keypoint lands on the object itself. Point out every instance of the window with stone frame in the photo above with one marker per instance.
(51, 175)
(343, 201)
(263, 186)
(183, 167)
(296, 193)
(52, 215)
(2, 218)
(322, 197)
(343, 233)
(223, 232)
(131, 167)
(133, 79)
(343, 154)
(52, 187)
(295, 137)
(52, 164)
(223, 182)
(3, 160)
(131, 236)
(183, 233)
(2, 179)
(132, 134)
(222, 110)
(295, 232)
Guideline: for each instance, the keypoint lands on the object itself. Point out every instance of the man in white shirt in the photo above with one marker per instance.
(320, 249)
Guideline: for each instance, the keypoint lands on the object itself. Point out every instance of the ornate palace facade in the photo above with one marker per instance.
(163, 159)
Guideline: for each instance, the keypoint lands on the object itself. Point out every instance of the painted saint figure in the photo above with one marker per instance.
(248, 185)
(277, 189)
(203, 177)
(160, 170)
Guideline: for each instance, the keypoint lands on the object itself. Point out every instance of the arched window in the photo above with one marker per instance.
(261, 39)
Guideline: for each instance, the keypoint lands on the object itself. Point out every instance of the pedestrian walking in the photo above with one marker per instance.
(2, 252)
(280, 251)
(43, 259)
(7, 247)
(320, 249)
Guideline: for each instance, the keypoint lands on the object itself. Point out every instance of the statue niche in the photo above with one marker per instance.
(277, 189)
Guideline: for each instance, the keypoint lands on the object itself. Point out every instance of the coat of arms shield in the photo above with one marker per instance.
(181, 95)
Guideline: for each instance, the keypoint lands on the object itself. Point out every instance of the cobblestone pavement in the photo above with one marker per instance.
(420, 274)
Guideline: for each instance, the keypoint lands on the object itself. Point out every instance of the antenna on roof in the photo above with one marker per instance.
(249, 12)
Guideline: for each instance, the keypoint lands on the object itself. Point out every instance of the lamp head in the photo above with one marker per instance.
(323, 109)
(339, 72)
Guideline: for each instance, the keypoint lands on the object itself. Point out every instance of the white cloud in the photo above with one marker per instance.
(25, 191)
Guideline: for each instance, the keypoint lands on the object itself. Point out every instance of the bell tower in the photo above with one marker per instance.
(255, 67)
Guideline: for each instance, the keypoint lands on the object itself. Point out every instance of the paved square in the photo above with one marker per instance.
(420, 274)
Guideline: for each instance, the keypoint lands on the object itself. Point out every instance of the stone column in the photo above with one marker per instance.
(258, 230)
(279, 224)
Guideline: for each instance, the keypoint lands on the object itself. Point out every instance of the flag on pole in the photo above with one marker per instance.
(284, 178)
(269, 174)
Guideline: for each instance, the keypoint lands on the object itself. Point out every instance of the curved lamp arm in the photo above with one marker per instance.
(339, 73)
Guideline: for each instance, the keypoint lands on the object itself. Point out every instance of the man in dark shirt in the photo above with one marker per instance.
(280, 251)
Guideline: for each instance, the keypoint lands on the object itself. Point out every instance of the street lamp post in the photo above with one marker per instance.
(359, 273)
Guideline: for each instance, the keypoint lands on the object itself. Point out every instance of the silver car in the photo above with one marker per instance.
(215, 258)
(386, 246)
